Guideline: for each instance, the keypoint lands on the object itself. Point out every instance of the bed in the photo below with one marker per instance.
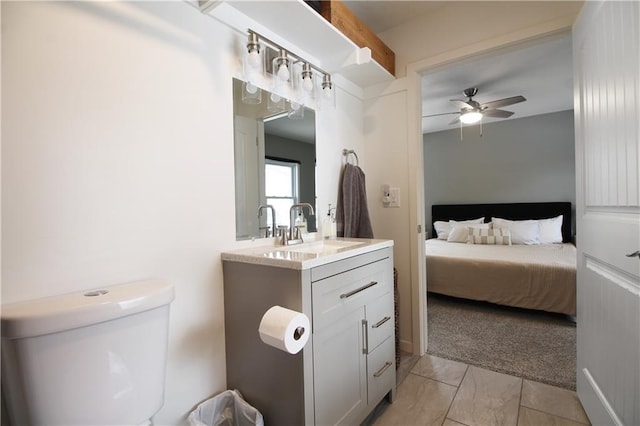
(533, 275)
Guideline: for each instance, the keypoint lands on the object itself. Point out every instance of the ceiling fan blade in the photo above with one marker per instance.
(444, 113)
(462, 103)
(503, 102)
(454, 121)
(498, 113)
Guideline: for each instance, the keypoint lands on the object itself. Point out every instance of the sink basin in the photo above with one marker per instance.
(311, 250)
(323, 247)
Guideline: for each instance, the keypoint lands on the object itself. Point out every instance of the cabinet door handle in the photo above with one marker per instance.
(634, 254)
(382, 321)
(382, 370)
(365, 337)
(358, 290)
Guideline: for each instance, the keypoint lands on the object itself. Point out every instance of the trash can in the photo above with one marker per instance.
(225, 409)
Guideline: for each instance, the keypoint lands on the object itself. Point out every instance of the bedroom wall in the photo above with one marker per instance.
(528, 159)
(117, 164)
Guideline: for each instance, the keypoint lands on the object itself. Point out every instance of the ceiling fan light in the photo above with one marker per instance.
(471, 117)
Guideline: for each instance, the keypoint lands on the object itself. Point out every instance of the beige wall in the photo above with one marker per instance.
(463, 23)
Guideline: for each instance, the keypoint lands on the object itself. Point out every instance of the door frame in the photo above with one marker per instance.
(416, 162)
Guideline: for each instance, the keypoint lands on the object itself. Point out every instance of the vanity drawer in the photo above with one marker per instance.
(327, 270)
(337, 295)
(381, 371)
(380, 321)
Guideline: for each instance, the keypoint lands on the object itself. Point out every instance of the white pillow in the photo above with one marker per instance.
(550, 230)
(522, 231)
(442, 228)
(459, 233)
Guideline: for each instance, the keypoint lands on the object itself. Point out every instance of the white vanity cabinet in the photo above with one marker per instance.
(352, 312)
(348, 365)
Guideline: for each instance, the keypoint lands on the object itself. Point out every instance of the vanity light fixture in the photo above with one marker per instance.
(252, 63)
(292, 77)
(254, 60)
(307, 78)
(281, 65)
(327, 86)
(327, 99)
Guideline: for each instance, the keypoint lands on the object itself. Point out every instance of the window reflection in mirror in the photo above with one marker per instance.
(274, 164)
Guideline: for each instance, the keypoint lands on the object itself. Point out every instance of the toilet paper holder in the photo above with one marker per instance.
(284, 329)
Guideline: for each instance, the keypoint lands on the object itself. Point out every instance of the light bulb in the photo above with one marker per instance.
(295, 106)
(283, 72)
(307, 84)
(251, 88)
(471, 117)
(254, 59)
(275, 98)
(327, 91)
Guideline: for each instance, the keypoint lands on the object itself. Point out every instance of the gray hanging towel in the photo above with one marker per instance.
(352, 214)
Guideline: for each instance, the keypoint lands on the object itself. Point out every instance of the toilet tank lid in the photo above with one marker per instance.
(67, 311)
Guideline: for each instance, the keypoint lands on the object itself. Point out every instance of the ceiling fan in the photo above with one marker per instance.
(472, 111)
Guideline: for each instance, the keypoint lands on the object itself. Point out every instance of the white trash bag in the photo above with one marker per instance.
(226, 409)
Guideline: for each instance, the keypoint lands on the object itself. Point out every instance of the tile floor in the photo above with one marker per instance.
(436, 391)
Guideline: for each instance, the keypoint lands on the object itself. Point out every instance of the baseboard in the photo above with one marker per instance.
(406, 346)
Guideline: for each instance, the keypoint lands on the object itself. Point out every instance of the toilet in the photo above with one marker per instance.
(87, 358)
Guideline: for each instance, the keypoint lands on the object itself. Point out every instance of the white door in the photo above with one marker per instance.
(607, 93)
(249, 175)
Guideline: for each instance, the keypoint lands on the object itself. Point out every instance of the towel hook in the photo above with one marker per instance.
(346, 153)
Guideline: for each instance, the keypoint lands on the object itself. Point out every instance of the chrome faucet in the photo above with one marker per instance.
(273, 219)
(295, 237)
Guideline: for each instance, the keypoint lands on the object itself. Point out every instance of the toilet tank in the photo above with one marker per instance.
(91, 357)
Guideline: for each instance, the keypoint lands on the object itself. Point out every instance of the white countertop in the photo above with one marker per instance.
(306, 255)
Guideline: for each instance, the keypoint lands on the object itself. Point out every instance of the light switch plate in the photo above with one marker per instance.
(394, 194)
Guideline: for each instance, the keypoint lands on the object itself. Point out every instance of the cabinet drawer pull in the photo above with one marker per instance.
(365, 337)
(382, 321)
(382, 370)
(358, 290)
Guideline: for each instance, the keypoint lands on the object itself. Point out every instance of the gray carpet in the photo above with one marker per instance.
(530, 344)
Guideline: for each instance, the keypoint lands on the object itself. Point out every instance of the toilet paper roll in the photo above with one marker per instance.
(284, 329)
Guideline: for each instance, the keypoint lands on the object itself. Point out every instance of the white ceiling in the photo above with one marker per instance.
(542, 73)
(381, 15)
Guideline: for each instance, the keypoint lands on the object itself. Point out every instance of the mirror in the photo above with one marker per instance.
(275, 156)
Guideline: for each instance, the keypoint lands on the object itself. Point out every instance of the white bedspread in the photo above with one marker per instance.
(528, 276)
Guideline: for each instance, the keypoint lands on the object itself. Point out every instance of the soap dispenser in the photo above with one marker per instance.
(329, 225)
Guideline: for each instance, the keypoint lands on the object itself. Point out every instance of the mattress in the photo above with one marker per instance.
(539, 277)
